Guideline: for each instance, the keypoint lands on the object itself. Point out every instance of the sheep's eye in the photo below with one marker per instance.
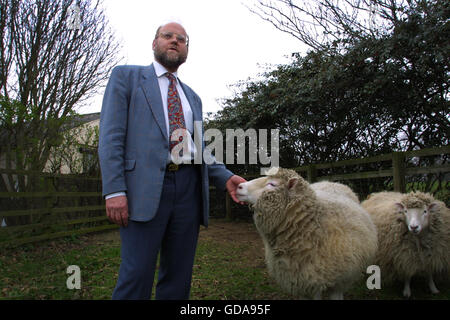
(425, 212)
(271, 184)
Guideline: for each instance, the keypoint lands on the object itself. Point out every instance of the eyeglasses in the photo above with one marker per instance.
(180, 38)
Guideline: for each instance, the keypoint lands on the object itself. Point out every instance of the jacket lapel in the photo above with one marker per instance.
(196, 108)
(152, 93)
(198, 124)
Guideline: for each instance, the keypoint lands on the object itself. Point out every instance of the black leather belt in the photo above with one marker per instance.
(175, 167)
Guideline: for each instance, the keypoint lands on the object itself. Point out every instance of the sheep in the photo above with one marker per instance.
(316, 242)
(333, 187)
(414, 236)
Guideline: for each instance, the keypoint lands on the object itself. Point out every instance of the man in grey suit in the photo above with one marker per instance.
(158, 202)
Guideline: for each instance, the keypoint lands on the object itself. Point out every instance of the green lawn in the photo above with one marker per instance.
(229, 265)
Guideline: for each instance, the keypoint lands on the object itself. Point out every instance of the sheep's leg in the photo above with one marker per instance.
(318, 296)
(407, 288)
(336, 295)
(431, 284)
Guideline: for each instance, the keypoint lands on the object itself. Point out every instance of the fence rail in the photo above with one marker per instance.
(52, 211)
(57, 205)
(397, 163)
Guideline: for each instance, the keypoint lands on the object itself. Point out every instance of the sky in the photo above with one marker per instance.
(228, 43)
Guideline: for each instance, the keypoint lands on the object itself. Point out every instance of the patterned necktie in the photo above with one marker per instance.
(175, 110)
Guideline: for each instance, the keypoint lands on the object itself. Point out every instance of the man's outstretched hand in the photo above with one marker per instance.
(232, 185)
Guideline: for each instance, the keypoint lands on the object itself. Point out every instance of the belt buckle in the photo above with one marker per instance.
(172, 167)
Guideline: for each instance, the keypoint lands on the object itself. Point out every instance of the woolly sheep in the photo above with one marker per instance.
(316, 242)
(337, 188)
(414, 236)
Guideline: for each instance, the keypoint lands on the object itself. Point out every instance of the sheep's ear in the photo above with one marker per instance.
(292, 183)
(434, 206)
(400, 207)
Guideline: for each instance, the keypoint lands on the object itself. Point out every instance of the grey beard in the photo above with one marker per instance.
(162, 58)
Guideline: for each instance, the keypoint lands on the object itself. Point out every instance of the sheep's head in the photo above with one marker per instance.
(276, 179)
(417, 208)
(269, 197)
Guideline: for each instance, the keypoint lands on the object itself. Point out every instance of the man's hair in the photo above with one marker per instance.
(159, 28)
(157, 31)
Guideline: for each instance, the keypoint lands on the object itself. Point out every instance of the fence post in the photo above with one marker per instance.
(228, 213)
(398, 168)
(48, 217)
(311, 173)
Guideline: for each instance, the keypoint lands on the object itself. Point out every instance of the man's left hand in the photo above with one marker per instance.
(232, 185)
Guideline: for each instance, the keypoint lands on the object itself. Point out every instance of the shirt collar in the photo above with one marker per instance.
(160, 70)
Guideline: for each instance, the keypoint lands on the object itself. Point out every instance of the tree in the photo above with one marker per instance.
(55, 55)
(381, 95)
(320, 22)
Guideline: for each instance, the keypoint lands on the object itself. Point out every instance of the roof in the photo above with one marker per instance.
(80, 119)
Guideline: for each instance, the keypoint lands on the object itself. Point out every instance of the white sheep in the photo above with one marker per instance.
(316, 242)
(336, 188)
(413, 236)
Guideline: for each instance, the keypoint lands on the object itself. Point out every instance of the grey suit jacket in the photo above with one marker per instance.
(133, 142)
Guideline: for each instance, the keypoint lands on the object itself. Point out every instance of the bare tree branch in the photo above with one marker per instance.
(317, 23)
(51, 65)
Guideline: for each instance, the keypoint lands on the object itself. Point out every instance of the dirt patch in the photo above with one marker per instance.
(239, 233)
(221, 230)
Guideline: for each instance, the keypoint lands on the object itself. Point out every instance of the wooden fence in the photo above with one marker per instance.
(392, 169)
(67, 205)
(60, 205)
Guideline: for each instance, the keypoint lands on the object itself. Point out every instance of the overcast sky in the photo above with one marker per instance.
(228, 43)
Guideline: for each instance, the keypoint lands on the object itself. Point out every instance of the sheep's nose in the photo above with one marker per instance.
(414, 228)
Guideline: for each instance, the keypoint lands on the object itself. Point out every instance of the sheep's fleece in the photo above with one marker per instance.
(316, 242)
(403, 254)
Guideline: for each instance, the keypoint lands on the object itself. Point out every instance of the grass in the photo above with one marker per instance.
(39, 271)
(229, 264)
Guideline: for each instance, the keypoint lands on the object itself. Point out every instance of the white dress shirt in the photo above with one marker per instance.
(164, 82)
